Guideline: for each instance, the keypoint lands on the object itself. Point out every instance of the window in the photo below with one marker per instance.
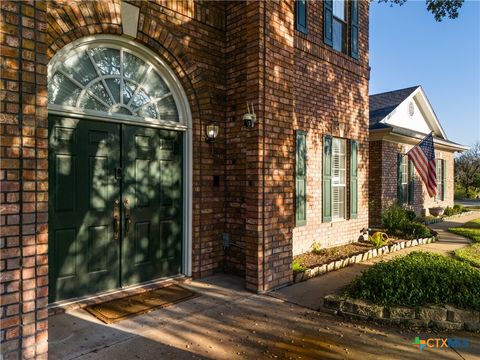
(301, 178)
(334, 199)
(301, 15)
(339, 174)
(404, 179)
(110, 81)
(440, 172)
(340, 26)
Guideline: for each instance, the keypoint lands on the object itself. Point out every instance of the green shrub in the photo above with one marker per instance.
(414, 230)
(459, 208)
(418, 279)
(402, 222)
(469, 254)
(449, 211)
(316, 248)
(297, 266)
(456, 209)
(410, 215)
(378, 239)
(394, 218)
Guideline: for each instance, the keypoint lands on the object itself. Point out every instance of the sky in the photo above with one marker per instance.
(408, 47)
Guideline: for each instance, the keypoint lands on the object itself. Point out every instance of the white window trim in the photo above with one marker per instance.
(439, 166)
(120, 43)
(343, 185)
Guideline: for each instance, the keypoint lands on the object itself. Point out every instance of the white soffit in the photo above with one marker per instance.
(130, 14)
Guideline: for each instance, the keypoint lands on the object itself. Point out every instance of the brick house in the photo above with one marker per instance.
(399, 120)
(108, 179)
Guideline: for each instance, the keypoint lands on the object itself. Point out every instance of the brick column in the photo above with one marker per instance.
(270, 151)
(24, 181)
(254, 231)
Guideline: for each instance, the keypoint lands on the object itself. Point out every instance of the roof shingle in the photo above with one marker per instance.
(384, 103)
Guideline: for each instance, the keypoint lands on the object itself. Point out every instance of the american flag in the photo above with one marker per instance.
(423, 158)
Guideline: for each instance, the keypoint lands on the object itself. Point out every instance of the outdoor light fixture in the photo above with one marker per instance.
(211, 132)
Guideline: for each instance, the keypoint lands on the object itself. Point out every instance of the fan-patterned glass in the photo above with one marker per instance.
(112, 81)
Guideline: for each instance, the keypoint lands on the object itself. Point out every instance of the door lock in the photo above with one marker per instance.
(128, 221)
(118, 173)
(116, 220)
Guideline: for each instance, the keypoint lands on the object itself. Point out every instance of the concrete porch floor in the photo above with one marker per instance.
(227, 322)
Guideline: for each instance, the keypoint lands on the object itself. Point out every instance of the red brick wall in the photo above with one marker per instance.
(330, 97)
(24, 181)
(276, 147)
(383, 183)
(375, 183)
(224, 54)
(236, 135)
(190, 38)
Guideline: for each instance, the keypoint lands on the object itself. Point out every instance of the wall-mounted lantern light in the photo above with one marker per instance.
(211, 132)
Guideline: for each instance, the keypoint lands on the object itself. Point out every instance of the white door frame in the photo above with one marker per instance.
(185, 124)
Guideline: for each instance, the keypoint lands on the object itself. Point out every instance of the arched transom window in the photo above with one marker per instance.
(111, 81)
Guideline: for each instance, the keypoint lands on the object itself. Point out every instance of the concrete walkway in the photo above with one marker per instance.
(227, 322)
(310, 293)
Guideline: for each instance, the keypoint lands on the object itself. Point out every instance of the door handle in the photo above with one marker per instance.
(116, 220)
(128, 221)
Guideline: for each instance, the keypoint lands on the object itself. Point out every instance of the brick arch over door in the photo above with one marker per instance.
(68, 21)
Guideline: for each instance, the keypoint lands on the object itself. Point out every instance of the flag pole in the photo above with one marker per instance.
(430, 133)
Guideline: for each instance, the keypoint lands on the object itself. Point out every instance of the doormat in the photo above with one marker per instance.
(120, 309)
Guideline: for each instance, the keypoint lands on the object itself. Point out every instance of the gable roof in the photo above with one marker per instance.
(384, 103)
(387, 117)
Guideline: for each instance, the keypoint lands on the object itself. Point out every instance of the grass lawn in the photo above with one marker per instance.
(470, 254)
(417, 279)
(470, 230)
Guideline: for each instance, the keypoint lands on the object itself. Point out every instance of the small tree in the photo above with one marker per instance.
(467, 169)
(439, 8)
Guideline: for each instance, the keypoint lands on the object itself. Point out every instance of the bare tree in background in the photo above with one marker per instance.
(467, 169)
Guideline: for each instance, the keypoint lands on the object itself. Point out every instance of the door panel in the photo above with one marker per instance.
(84, 257)
(152, 185)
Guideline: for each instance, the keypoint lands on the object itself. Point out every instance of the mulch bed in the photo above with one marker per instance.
(325, 256)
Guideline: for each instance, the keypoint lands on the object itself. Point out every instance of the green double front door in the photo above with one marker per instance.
(115, 197)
